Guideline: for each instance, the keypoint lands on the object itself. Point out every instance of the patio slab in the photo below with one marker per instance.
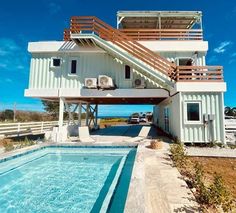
(157, 186)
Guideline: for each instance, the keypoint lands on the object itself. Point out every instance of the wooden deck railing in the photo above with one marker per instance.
(128, 42)
(163, 34)
(66, 35)
(198, 73)
(91, 24)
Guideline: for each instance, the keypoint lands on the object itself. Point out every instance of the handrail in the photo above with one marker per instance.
(198, 73)
(66, 35)
(91, 24)
(163, 34)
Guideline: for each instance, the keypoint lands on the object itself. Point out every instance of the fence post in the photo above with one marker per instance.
(42, 127)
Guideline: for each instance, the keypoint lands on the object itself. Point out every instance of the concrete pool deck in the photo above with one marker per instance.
(155, 185)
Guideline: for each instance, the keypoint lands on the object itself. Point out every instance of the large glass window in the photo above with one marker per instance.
(193, 111)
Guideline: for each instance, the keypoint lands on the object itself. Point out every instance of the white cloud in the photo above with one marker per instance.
(54, 8)
(222, 47)
(7, 46)
(232, 61)
(20, 67)
(233, 55)
(12, 56)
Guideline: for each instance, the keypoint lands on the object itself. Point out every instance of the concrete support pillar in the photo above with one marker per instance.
(87, 113)
(61, 112)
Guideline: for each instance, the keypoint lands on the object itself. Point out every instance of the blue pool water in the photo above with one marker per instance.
(63, 179)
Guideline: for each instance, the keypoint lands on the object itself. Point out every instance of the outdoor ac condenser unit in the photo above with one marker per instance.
(90, 83)
(105, 81)
(139, 83)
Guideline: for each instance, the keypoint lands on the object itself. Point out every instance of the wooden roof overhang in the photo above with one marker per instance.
(112, 101)
(158, 19)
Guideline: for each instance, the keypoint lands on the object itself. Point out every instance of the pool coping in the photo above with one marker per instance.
(135, 201)
(114, 183)
(26, 150)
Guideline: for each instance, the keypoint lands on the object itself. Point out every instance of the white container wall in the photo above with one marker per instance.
(43, 76)
(168, 112)
(204, 131)
(211, 104)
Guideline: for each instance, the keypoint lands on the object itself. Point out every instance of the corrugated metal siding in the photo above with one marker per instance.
(211, 104)
(88, 65)
(173, 103)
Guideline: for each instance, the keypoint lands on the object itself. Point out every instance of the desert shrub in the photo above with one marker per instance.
(219, 194)
(26, 142)
(232, 146)
(178, 155)
(216, 195)
(8, 145)
(198, 182)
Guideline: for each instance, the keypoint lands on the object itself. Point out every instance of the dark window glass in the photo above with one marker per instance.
(185, 62)
(56, 62)
(193, 112)
(127, 72)
(73, 66)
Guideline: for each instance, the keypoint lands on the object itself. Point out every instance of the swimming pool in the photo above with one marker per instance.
(67, 179)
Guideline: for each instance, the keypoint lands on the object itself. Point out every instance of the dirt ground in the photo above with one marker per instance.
(226, 167)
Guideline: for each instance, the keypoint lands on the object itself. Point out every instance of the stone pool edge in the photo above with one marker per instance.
(18, 152)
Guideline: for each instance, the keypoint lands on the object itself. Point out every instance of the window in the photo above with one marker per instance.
(55, 62)
(185, 62)
(166, 119)
(127, 72)
(73, 66)
(193, 112)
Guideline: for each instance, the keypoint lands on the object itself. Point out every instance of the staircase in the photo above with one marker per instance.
(92, 28)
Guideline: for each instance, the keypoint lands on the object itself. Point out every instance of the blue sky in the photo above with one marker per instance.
(25, 20)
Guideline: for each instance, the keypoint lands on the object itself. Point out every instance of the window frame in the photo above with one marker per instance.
(70, 64)
(127, 79)
(186, 121)
(52, 64)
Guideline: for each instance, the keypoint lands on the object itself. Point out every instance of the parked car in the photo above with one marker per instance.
(143, 119)
(134, 120)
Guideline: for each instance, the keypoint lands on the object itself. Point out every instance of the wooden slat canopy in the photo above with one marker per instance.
(158, 19)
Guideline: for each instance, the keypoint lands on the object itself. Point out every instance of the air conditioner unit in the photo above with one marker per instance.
(139, 83)
(105, 81)
(90, 83)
